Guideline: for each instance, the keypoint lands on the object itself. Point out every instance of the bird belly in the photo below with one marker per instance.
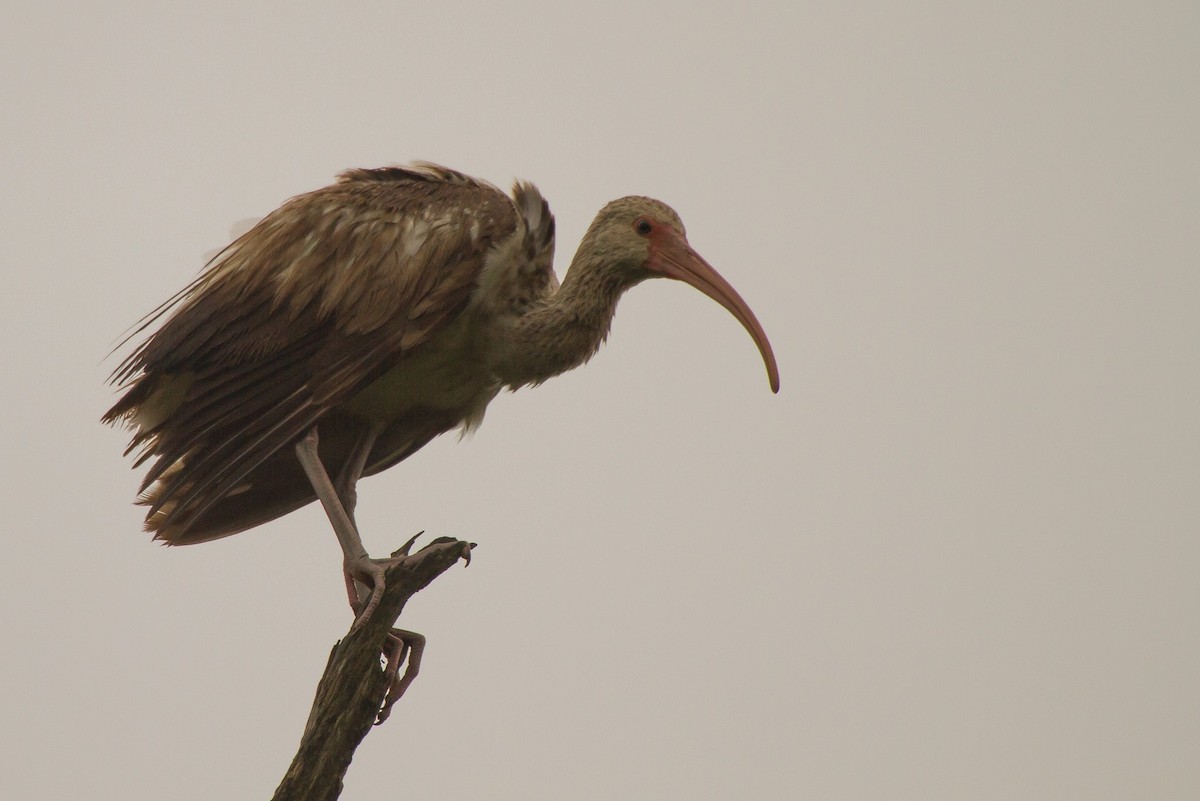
(444, 375)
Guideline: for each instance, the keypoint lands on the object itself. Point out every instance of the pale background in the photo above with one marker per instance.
(958, 557)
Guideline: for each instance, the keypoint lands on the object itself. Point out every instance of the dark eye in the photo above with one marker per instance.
(642, 226)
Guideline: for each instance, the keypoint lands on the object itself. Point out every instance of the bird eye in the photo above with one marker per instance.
(642, 226)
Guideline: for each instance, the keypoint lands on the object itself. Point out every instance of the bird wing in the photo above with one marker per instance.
(296, 316)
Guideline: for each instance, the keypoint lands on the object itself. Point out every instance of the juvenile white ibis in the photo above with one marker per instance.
(357, 322)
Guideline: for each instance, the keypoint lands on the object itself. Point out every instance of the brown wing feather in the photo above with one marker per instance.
(320, 298)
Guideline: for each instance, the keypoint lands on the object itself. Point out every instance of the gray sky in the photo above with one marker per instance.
(955, 558)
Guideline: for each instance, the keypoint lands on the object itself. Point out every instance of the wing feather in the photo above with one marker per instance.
(295, 317)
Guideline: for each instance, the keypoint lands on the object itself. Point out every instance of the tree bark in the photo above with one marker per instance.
(353, 687)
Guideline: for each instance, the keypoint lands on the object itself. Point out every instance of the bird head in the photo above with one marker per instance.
(645, 238)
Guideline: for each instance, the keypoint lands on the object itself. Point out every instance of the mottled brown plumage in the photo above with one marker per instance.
(377, 312)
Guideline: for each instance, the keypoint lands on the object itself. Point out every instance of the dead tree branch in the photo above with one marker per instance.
(352, 689)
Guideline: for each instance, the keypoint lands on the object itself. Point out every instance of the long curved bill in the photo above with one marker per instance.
(674, 258)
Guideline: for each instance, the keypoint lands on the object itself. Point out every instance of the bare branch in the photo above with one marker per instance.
(352, 689)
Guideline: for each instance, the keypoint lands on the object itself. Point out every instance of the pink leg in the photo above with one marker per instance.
(357, 565)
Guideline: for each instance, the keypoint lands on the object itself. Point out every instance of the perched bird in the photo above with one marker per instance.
(355, 323)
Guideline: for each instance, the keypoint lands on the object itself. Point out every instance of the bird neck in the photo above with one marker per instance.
(568, 327)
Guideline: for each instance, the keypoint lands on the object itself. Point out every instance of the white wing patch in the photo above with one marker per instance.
(414, 237)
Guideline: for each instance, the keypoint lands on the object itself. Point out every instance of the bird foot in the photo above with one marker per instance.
(400, 644)
(365, 580)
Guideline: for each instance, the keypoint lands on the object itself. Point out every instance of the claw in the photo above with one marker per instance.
(465, 553)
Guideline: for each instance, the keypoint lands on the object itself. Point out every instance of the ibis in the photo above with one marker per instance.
(354, 324)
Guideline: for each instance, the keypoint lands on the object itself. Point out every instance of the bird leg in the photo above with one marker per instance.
(346, 487)
(357, 564)
(364, 576)
(347, 480)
